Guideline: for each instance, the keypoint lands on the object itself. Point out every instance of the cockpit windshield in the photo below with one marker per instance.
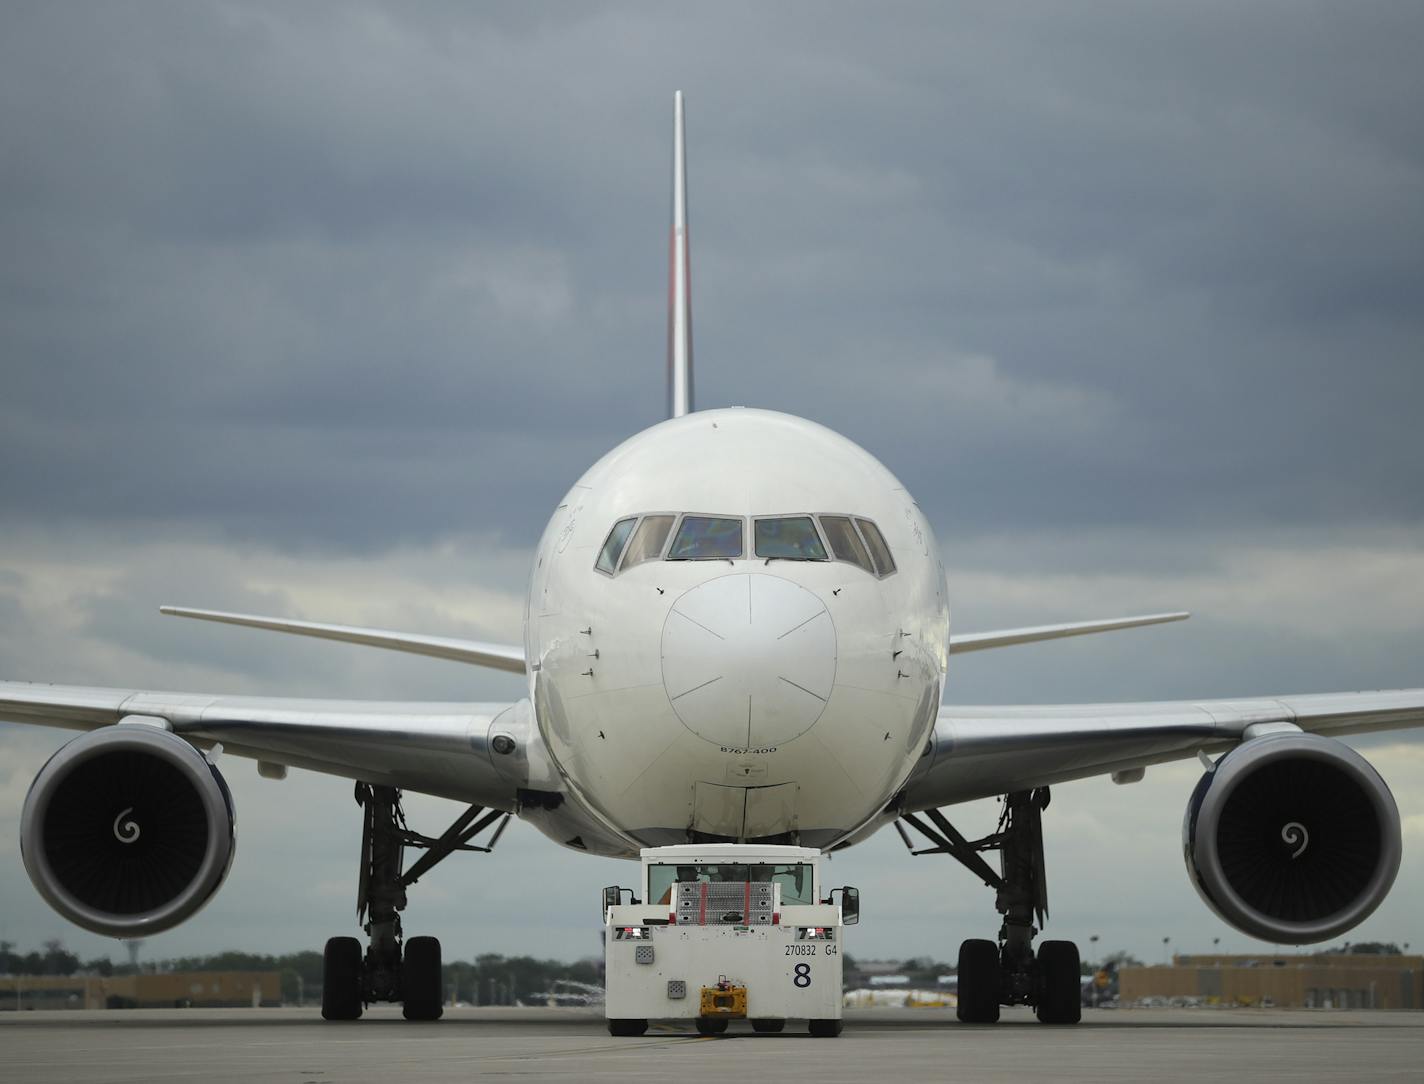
(884, 563)
(791, 538)
(613, 545)
(647, 544)
(702, 537)
(845, 541)
(634, 540)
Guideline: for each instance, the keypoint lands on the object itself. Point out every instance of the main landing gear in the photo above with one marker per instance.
(393, 969)
(1009, 972)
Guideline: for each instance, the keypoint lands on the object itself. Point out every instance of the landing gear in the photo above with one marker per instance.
(341, 979)
(381, 895)
(824, 1029)
(420, 979)
(711, 1025)
(393, 970)
(1059, 998)
(978, 982)
(1009, 972)
(768, 1027)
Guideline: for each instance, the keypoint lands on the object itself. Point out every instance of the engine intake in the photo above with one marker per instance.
(127, 831)
(1292, 838)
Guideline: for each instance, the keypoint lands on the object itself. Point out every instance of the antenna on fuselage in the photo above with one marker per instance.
(679, 353)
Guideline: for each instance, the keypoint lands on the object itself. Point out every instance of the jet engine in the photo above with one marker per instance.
(128, 830)
(1292, 838)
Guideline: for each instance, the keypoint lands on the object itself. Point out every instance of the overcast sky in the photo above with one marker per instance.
(318, 311)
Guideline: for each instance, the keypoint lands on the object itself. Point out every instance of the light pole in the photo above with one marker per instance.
(1097, 967)
(1166, 957)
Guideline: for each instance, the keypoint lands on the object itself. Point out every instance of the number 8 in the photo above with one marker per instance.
(802, 977)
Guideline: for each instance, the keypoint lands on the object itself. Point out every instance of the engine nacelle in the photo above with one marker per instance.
(128, 830)
(1292, 838)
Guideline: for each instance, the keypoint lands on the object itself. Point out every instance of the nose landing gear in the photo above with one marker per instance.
(1009, 972)
(392, 968)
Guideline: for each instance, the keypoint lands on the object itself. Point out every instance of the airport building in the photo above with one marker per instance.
(174, 989)
(1354, 981)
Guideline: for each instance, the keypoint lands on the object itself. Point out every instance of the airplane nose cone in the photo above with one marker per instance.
(749, 660)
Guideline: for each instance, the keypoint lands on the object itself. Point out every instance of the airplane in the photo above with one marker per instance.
(736, 630)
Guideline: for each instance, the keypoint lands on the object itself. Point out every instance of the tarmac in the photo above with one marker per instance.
(295, 1046)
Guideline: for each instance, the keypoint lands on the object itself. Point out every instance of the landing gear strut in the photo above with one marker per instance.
(394, 969)
(1009, 972)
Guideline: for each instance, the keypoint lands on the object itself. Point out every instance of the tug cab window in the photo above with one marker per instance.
(845, 541)
(648, 540)
(791, 538)
(795, 879)
(613, 545)
(707, 537)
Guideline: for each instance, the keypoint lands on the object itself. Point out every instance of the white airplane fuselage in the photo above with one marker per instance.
(745, 698)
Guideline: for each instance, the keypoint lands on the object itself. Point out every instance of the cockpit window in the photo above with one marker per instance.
(792, 538)
(634, 540)
(702, 537)
(613, 545)
(845, 542)
(884, 563)
(648, 540)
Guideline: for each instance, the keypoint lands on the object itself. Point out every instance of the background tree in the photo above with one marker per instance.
(57, 961)
(1121, 958)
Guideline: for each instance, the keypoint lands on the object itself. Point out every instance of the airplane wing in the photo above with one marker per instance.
(435, 748)
(980, 752)
(507, 657)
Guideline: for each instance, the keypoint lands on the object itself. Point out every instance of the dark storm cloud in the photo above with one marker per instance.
(346, 276)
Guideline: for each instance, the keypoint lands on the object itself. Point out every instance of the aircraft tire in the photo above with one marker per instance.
(978, 982)
(421, 982)
(1060, 999)
(711, 1025)
(627, 1027)
(825, 1029)
(768, 1026)
(341, 979)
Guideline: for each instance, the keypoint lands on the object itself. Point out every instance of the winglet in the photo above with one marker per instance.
(679, 351)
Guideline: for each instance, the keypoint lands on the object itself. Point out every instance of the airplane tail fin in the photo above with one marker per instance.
(679, 353)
